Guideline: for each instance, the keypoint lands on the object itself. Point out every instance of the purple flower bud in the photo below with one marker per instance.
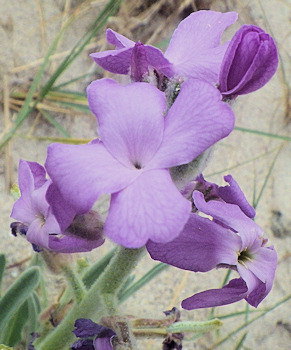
(249, 62)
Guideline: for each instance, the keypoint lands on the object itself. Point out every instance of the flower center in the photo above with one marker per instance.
(244, 257)
(137, 165)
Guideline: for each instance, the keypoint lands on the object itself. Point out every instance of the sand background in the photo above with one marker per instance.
(26, 29)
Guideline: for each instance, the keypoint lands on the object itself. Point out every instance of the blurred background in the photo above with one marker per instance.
(45, 68)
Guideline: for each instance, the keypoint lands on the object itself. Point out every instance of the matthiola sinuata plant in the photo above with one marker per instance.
(171, 114)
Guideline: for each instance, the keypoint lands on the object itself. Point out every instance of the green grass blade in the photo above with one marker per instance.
(53, 121)
(110, 9)
(2, 268)
(32, 314)
(94, 271)
(142, 281)
(75, 106)
(28, 106)
(244, 325)
(263, 133)
(241, 342)
(66, 140)
(12, 332)
(257, 200)
(69, 82)
(18, 293)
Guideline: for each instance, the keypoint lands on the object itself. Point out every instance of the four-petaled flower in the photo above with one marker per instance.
(37, 220)
(194, 50)
(232, 240)
(138, 145)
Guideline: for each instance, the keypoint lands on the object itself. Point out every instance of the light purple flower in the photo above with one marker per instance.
(232, 240)
(138, 145)
(249, 62)
(36, 219)
(194, 50)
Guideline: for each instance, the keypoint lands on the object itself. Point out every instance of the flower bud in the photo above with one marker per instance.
(249, 62)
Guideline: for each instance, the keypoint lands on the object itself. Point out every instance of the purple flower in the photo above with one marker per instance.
(139, 144)
(194, 50)
(36, 219)
(249, 62)
(85, 328)
(230, 194)
(232, 240)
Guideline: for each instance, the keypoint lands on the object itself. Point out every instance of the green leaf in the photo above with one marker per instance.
(2, 267)
(241, 342)
(263, 133)
(20, 290)
(32, 314)
(4, 347)
(94, 271)
(244, 325)
(54, 122)
(142, 281)
(14, 327)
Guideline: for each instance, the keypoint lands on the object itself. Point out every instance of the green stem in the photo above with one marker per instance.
(98, 301)
(76, 284)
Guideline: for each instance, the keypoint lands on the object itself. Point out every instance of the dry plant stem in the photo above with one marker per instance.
(99, 301)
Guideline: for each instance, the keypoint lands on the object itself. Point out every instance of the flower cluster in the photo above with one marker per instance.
(172, 111)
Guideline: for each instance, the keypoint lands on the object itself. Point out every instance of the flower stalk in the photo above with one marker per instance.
(100, 299)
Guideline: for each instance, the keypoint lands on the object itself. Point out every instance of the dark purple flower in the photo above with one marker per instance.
(230, 194)
(249, 62)
(231, 240)
(36, 219)
(194, 50)
(85, 328)
(138, 145)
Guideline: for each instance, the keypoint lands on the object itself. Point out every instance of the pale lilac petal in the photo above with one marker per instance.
(197, 120)
(23, 210)
(115, 61)
(234, 195)
(130, 119)
(158, 61)
(118, 40)
(201, 246)
(70, 244)
(263, 264)
(83, 172)
(234, 291)
(198, 36)
(250, 279)
(258, 294)
(150, 208)
(38, 173)
(62, 210)
(25, 178)
(231, 216)
(38, 200)
(37, 234)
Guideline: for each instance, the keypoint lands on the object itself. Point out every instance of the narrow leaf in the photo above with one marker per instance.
(241, 342)
(18, 293)
(263, 133)
(94, 271)
(2, 267)
(54, 122)
(142, 281)
(14, 327)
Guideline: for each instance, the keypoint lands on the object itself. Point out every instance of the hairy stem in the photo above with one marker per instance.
(100, 300)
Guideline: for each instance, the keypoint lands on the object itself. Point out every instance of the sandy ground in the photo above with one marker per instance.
(28, 26)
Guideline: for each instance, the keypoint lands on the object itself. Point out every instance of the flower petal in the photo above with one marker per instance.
(23, 210)
(231, 216)
(115, 61)
(150, 208)
(130, 119)
(234, 195)
(83, 172)
(195, 44)
(62, 210)
(118, 40)
(197, 120)
(37, 234)
(234, 291)
(70, 244)
(201, 246)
